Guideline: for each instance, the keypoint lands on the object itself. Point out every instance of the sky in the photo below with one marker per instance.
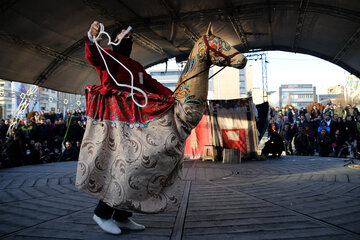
(291, 68)
(296, 68)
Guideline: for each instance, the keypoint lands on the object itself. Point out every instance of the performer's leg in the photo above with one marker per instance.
(121, 215)
(123, 220)
(102, 217)
(103, 210)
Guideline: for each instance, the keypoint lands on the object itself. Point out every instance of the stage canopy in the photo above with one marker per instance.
(42, 42)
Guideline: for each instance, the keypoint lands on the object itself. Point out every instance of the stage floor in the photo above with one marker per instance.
(291, 197)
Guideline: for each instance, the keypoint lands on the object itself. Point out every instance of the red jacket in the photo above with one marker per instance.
(121, 74)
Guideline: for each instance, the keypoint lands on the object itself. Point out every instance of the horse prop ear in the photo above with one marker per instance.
(210, 29)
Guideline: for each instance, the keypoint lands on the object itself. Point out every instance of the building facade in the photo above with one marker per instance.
(335, 90)
(352, 89)
(297, 95)
(5, 99)
(230, 83)
(12, 94)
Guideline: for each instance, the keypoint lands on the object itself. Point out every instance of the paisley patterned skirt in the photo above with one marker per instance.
(134, 167)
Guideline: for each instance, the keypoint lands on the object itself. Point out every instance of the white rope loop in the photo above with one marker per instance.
(95, 39)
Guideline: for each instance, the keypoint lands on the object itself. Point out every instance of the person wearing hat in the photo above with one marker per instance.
(110, 219)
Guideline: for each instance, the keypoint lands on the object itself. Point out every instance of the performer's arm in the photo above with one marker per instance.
(91, 52)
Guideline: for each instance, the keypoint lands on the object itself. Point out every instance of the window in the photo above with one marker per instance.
(170, 85)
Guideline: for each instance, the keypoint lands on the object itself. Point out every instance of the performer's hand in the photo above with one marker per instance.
(94, 28)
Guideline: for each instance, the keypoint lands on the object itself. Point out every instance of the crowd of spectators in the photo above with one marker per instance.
(41, 138)
(331, 130)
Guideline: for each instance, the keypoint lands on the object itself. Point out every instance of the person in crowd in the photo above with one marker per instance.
(37, 117)
(60, 129)
(335, 124)
(4, 162)
(79, 113)
(75, 132)
(273, 146)
(50, 132)
(59, 114)
(70, 153)
(302, 119)
(310, 134)
(337, 143)
(27, 131)
(4, 126)
(323, 125)
(51, 116)
(296, 125)
(302, 112)
(275, 114)
(45, 153)
(55, 155)
(42, 115)
(37, 153)
(358, 126)
(57, 142)
(339, 110)
(349, 147)
(349, 126)
(307, 120)
(77, 147)
(41, 131)
(31, 156)
(327, 110)
(280, 117)
(83, 118)
(283, 122)
(340, 125)
(324, 142)
(349, 111)
(83, 125)
(315, 112)
(67, 117)
(273, 125)
(316, 124)
(356, 110)
(287, 135)
(290, 114)
(13, 149)
(330, 123)
(301, 142)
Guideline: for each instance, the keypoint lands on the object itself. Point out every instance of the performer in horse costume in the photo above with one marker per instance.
(131, 157)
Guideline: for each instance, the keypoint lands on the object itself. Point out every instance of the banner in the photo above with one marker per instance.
(226, 124)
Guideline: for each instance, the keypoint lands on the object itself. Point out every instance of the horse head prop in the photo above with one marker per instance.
(209, 50)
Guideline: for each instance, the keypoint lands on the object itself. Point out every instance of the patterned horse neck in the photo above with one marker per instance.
(208, 50)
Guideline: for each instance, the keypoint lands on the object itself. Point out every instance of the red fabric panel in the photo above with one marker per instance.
(202, 135)
(230, 142)
(118, 105)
